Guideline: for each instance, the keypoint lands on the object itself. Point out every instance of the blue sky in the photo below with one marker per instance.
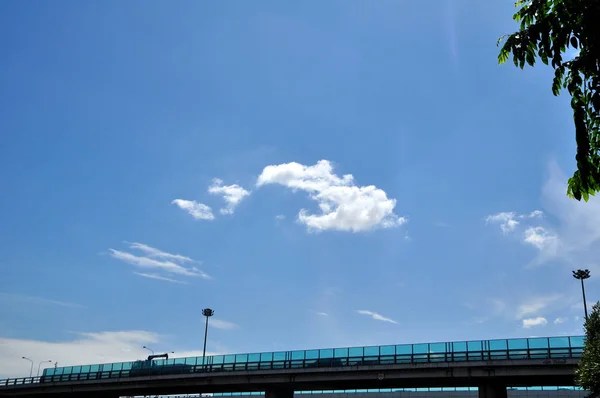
(320, 173)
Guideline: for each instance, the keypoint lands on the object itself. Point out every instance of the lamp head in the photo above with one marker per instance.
(208, 312)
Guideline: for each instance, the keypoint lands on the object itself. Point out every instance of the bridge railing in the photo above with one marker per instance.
(489, 350)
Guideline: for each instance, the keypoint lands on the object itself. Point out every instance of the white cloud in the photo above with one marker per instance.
(540, 238)
(156, 253)
(220, 324)
(280, 217)
(159, 277)
(232, 194)
(560, 320)
(506, 219)
(85, 348)
(572, 232)
(37, 300)
(376, 316)
(322, 313)
(531, 322)
(199, 211)
(159, 262)
(344, 206)
(534, 305)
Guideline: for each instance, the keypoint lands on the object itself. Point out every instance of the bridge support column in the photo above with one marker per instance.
(279, 392)
(492, 390)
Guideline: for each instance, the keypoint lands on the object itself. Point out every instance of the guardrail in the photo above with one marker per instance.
(478, 350)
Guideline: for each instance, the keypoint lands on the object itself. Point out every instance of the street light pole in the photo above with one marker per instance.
(207, 312)
(150, 349)
(38, 372)
(31, 369)
(582, 274)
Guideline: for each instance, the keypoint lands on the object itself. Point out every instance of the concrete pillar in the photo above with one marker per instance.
(492, 390)
(279, 392)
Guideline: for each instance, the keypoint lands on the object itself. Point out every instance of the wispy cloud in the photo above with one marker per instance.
(156, 253)
(156, 259)
(534, 305)
(532, 322)
(322, 313)
(560, 320)
(344, 205)
(160, 278)
(232, 194)
(508, 220)
(37, 300)
(376, 316)
(221, 324)
(198, 211)
(571, 235)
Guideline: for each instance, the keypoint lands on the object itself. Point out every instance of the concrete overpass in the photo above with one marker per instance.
(490, 365)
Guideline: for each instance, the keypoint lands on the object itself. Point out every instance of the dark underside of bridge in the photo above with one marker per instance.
(492, 378)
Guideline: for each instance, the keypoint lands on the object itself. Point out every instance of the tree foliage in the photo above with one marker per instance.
(547, 29)
(588, 371)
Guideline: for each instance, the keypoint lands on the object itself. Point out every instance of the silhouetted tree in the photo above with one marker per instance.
(588, 371)
(547, 29)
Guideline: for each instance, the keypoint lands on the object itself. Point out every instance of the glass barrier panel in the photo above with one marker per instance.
(85, 369)
(190, 361)
(254, 358)
(356, 352)
(217, 359)
(59, 371)
(279, 356)
(67, 370)
(266, 357)
(179, 361)
(94, 368)
(169, 362)
(517, 344)
(474, 346)
(498, 345)
(437, 348)
(310, 354)
(420, 349)
(537, 343)
(76, 370)
(460, 346)
(577, 341)
(341, 353)
(229, 359)
(404, 349)
(327, 353)
(559, 342)
(371, 351)
(48, 372)
(297, 355)
(241, 358)
(127, 365)
(387, 350)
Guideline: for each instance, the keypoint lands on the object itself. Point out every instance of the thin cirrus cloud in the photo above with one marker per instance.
(160, 278)
(376, 316)
(37, 300)
(198, 211)
(221, 324)
(159, 261)
(344, 205)
(232, 194)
